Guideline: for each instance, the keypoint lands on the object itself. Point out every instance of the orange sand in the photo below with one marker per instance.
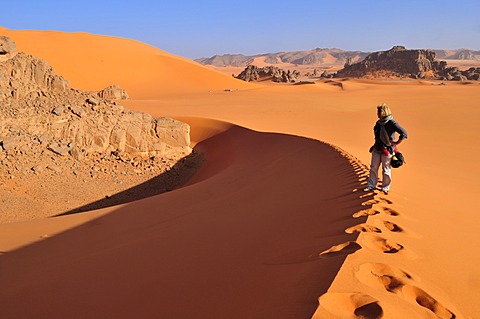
(260, 232)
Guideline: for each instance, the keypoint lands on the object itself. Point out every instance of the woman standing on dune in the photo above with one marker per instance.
(384, 147)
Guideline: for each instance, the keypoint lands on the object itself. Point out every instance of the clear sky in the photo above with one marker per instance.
(196, 28)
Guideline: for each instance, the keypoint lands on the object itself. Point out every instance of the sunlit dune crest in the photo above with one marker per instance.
(275, 223)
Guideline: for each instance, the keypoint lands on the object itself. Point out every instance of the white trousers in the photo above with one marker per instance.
(378, 158)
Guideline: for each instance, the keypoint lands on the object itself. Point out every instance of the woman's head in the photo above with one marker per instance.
(383, 110)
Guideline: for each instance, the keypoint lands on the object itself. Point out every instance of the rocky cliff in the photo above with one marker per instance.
(40, 110)
(64, 150)
(396, 62)
(399, 62)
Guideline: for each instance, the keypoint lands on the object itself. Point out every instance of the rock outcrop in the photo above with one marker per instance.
(64, 150)
(24, 77)
(40, 112)
(455, 74)
(396, 62)
(399, 62)
(253, 73)
(113, 92)
(7, 48)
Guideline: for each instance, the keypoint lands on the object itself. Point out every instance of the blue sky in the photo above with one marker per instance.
(195, 29)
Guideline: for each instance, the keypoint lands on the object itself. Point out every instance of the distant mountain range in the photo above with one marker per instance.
(459, 54)
(318, 56)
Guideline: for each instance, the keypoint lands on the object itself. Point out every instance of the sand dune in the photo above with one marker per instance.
(93, 62)
(271, 220)
(242, 240)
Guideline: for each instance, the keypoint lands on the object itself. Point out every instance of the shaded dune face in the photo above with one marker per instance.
(235, 242)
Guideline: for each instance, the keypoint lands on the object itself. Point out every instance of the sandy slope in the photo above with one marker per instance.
(92, 62)
(435, 193)
(242, 240)
(265, 199)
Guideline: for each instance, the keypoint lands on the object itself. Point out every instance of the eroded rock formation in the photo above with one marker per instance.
(253, 73)
(67, 150)
(7, 48)
(113, 92)
(40, 110)
(396, 62)
(399, 62)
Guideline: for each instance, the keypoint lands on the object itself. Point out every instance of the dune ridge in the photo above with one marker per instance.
(421, 262)
(222, 243)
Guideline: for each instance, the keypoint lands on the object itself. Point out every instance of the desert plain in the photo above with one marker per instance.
(275, 222)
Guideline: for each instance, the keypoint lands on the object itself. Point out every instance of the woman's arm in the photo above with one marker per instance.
(401, 131)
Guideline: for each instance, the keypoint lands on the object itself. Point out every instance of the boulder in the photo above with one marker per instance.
(113, 92)
(8, 49)
(10, 142)
(93, 101)
(470, 74)
(172, 132)
(326, 74)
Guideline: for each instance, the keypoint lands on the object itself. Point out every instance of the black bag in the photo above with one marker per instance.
(397, 160)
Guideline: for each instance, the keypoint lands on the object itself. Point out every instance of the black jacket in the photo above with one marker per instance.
(392, 127)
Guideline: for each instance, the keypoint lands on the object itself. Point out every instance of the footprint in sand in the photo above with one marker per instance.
(384, 245)
(362, 228)
(365, 212)
(390, 211)
(392, 226)
(341, 249)
(351, 305)
(370, 202)
(386, 200)
(397, 281)
(423, 299)
(382, 276)
(366, 195)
